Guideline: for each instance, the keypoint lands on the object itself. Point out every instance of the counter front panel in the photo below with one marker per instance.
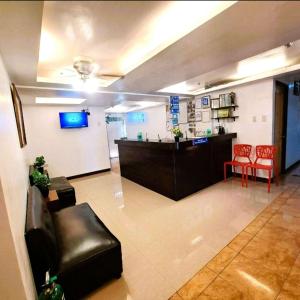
(175, 170)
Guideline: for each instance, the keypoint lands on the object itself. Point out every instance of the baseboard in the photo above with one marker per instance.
(293, 166)
(250, 177)
(88, 174)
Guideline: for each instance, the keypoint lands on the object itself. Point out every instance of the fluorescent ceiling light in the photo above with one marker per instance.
(44, 100)
(128, 106)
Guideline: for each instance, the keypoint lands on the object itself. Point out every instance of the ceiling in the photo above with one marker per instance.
(110, 32)
(267, 64)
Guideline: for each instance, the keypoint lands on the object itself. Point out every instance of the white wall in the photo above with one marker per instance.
(68, 152)
(16, 280)
(155, 124)
(255, 123)
(293, 130)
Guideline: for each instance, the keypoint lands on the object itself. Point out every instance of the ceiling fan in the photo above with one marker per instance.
(85, 73)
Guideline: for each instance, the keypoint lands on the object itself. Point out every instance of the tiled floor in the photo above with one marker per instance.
(262, 262)
(165, 243)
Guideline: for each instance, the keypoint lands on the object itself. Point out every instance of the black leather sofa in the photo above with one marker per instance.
(65, 191)
(73, 244)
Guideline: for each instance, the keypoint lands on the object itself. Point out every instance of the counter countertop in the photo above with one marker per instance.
(171, 144)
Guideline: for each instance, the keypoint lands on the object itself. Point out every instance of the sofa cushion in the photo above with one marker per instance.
(80, 235)
(60, 184)
(40, 235)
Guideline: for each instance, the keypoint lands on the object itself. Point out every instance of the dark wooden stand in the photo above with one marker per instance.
(175, 170)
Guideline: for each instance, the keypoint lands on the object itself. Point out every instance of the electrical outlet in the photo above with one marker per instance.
(264, 118)
(254, 119)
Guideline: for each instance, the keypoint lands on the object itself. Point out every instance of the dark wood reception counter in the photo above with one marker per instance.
(175, 170)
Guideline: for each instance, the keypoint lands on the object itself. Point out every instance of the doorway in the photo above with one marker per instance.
(280, 124)
(116, 129)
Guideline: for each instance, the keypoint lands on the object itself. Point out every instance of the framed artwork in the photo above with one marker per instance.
(227, 100)
(223, 113)
(215, 103)
(198, 104)
(206, 116)
(19, 115)
(198, 116)
(205, 102)
(222, 100)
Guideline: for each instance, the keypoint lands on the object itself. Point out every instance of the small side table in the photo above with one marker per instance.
(53, 203)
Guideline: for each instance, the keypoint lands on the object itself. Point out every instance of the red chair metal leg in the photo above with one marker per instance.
(243, 176)
(269, 181)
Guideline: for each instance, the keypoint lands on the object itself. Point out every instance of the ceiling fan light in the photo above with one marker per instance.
(88, 85)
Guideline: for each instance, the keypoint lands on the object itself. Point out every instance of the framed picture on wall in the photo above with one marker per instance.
(222, 100)
(205, 102)
(19, 115)
(215, 103)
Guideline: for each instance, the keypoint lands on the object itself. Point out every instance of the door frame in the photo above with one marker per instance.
(284, 123)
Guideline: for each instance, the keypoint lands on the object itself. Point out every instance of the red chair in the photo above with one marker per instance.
(264, 152)
(242, 151)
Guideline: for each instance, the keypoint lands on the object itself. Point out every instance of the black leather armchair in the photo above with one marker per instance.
(72, 243)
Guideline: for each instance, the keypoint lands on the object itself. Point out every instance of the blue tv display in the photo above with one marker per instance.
(136, 117)
(73, 119)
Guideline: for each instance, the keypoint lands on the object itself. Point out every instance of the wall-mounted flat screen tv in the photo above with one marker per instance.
(136, 117)
(73, 119)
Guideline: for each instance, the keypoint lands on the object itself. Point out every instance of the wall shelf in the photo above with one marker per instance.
(224, 107)
(218, 118)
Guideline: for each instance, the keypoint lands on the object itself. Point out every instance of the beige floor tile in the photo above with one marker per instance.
(221, 290)
(267, 254)
(164, 242)
(252, 279)
(192, 289)
(240, 241)
(221, 260)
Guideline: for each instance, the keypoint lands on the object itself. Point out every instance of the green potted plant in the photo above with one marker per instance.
(39, 163)
(41, 181)
(177, 133)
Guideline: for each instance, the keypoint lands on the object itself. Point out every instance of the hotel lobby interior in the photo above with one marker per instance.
(150, 150)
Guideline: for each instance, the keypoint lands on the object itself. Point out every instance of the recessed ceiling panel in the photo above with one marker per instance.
(117, 35)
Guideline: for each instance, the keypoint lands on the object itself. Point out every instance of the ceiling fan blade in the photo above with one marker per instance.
(108, 76)
(68, 72)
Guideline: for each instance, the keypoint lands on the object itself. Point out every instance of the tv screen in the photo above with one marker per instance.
(136, 117)
(73, 119)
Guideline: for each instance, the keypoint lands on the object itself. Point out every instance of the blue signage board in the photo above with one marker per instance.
(174, 104)
(174, 99)
(200, 141)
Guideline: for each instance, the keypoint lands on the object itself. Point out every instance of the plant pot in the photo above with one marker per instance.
(176, 139)
(44, 191)
(40, 169)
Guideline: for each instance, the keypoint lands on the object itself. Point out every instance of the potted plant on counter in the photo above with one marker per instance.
(41, 181)
(39, 163)
(177, 133)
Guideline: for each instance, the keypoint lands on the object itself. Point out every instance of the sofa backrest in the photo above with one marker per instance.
(31, 169)
(40, 236)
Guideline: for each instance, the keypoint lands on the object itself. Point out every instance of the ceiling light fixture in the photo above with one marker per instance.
(61, 101)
